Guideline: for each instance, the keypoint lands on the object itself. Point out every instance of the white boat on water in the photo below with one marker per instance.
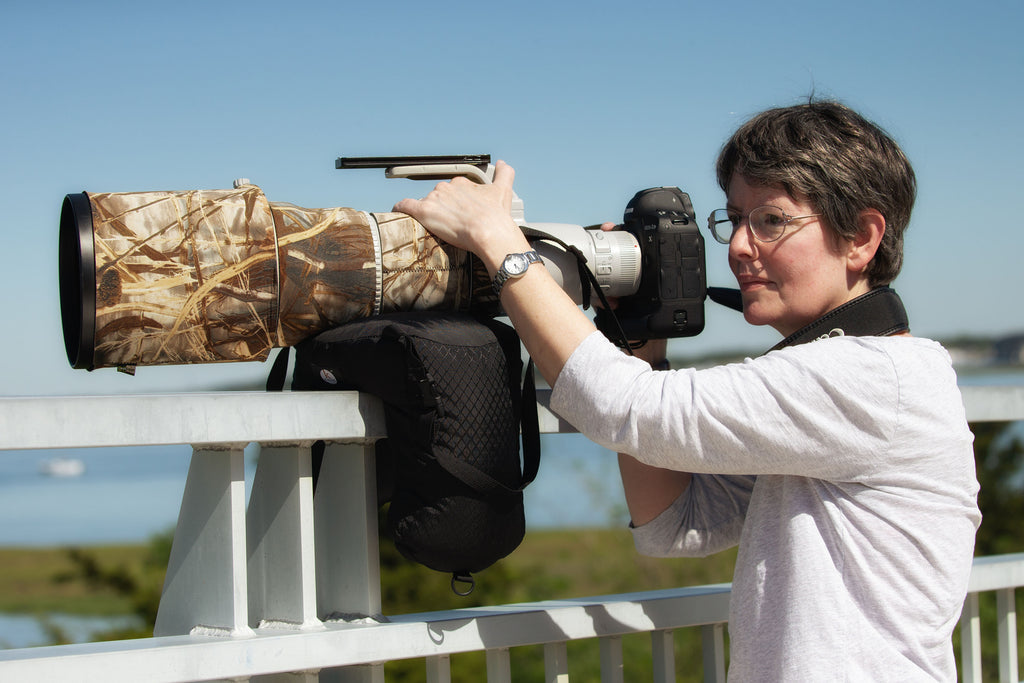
(62, 467)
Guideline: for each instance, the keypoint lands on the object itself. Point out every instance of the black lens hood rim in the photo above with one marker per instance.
(77, 276)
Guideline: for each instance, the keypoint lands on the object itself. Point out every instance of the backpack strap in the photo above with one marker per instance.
(279, 370)
(530, 425)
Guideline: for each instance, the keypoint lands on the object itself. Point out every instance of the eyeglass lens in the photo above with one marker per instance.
(767, 223)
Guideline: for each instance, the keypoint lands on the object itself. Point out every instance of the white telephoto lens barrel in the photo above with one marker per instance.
(614, 257)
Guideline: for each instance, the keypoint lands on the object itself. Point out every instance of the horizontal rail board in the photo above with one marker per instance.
(996, 572)
(993, 403)
(176, 659)
(284, 417)
(195, 419)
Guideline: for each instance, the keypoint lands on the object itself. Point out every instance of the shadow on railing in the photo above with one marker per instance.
(255, 591)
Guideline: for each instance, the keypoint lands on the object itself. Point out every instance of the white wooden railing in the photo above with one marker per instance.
(289, 583)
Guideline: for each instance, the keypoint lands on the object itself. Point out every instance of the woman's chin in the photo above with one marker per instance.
(755, 311)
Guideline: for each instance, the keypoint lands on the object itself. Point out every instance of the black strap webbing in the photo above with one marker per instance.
(279, 370)
(879, 313)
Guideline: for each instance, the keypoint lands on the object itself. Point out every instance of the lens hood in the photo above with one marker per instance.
(77, 273)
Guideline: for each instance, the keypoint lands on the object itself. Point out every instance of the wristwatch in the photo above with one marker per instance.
(513, 266)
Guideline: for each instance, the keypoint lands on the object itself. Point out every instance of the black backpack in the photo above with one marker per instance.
(454, 410)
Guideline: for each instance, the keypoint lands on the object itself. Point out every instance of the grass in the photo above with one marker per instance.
(548, 565)
(604, 561)
(32, 581)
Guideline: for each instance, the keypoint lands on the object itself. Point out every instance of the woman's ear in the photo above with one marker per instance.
(862, 248)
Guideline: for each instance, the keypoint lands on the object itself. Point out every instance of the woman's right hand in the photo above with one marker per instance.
(471, 216)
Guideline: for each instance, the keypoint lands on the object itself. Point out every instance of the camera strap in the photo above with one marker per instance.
(588, 283)
(879, 313)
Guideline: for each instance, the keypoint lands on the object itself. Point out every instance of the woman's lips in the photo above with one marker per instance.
(752, 283)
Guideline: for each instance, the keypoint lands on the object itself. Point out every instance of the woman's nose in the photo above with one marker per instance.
(741, 244)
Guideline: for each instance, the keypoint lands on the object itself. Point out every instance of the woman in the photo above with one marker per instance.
(843, 467)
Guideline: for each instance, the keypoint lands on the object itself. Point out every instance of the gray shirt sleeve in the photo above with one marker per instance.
(705, 519)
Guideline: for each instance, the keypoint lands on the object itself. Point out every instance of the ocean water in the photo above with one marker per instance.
(26, 630)
(126, 495)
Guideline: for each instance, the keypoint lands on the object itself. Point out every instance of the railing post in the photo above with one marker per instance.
(970, 640)
(556, 663)
(347, 548)
(499, 669)
(279, 535)
(713, 648)
(439, 669)
(1006, 611)
(663, 656)
(611, 659)
(206, 583)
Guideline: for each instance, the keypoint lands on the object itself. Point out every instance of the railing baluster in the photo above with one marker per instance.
(362, 673)
(713, 646)
(611, 659)
(279, 535)
(970, 640)
(347, 548)
(439, 669)
(556, 663)
(499, 669)
(663, 656)
(206, 582)
(1006, 611)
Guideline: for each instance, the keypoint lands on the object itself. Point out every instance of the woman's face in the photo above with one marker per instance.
(796, 279)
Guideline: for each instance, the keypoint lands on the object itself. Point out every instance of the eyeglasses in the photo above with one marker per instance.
(768, 223)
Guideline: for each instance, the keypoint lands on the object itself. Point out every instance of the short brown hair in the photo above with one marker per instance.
(837, 160)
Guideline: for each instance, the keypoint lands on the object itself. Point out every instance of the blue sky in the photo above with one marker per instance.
(589, 101)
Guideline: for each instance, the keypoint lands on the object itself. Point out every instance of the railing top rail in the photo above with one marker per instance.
(993, 403)
(212, 418)
(283, 417)
(996, 572)
(195, 419)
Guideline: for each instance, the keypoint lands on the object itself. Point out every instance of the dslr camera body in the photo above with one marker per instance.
(669, 301)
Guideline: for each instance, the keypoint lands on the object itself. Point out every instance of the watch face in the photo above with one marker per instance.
(516, 264)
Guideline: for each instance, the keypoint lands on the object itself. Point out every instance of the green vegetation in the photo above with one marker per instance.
(37, 581)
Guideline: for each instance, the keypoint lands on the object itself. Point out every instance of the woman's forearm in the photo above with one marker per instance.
(550, 325)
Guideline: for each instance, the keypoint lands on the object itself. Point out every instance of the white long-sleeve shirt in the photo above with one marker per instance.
(844, 470)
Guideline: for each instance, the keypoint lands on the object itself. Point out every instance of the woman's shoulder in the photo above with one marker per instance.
(906, 353)
(867, 364)
(895, 348)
